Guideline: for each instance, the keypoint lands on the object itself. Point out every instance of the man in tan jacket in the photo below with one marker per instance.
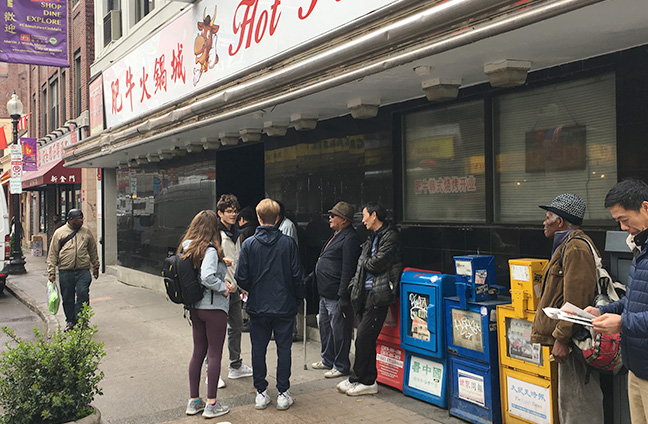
(74, 251)
(570, 277)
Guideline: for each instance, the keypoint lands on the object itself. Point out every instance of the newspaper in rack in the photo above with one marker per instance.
(570, 313)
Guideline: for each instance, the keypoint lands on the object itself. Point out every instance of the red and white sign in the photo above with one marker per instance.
(15, 183)
(213, 40)
(54, 150)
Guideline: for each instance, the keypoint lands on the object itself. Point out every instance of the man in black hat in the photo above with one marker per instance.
(335, 267)
(74, 251)
(570, 277)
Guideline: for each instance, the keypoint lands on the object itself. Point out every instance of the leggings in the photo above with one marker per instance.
(209, 329)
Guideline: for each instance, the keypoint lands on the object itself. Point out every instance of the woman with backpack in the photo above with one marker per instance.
(201, 245)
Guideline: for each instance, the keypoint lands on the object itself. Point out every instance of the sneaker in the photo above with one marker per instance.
(333, 373)
(345, 385)
(221, 383)
(195, 406)
(262, 400)
(320, 366)
(215, 410)
(360, 389)
(284, 400)
(242, 371)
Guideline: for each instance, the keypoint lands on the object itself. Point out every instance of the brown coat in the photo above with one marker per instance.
(574, 282)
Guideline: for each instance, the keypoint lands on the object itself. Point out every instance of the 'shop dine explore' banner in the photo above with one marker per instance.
(34, 32)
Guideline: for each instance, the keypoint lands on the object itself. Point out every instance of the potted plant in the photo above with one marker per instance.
(51, 381)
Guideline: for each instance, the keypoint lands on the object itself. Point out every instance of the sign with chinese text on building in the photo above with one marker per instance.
(35, 32)
(15, 183)
(213, 40)
(96, 106)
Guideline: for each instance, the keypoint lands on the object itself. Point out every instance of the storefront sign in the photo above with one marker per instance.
(15, 183)
(213, 40)
(35, 32)
(528, 401)
(471, 387)
(29, 150)
(426, 375)
(96, 106)
(445, 185)
(54, 150)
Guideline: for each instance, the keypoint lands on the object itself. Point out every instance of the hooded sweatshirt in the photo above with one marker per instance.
(269, 269)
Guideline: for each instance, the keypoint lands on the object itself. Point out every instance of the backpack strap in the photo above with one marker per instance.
(597, 259)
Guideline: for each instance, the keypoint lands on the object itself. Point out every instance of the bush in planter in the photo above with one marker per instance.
(51, 381)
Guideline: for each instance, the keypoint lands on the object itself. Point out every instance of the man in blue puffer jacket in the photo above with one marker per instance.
(628, 204)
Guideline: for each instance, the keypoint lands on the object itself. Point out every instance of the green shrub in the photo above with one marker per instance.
(51, 381)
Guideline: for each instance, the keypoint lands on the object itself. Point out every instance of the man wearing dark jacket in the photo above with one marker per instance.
(373, 288)
(333, 271)
(628, 204)
(269, 269)
(570, 277)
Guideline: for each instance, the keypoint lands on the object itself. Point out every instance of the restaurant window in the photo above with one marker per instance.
(552, 140)
(149, 221)
(444, 177)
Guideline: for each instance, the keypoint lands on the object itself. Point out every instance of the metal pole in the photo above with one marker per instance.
(17, 263)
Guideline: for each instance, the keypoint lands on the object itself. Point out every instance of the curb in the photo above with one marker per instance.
(44, 314)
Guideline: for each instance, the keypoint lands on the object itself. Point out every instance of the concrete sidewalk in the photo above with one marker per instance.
(148, 345)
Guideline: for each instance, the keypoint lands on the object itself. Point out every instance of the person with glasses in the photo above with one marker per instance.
(334, 269)
(227, 209)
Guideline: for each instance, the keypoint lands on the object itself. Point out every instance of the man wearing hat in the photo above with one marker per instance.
(570, 277)
(74, 251)
(334, 269)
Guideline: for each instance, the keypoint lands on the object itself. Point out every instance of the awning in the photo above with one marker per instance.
(51, 173)
(4, 177)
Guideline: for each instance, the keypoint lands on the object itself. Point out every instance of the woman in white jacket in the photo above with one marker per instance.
(201, 244)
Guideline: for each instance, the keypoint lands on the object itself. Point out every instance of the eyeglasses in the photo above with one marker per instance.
(332, 216)
(230, 211)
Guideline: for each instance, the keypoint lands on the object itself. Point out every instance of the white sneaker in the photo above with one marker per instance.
(242, 371)
(345, 385)
(284, 400)
(262, 400)
(360, 389)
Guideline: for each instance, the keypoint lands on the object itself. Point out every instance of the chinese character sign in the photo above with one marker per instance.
(29, 148)
(35, 32)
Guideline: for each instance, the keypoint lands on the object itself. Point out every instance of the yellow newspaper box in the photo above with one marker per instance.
(528, 399)
(526, 281)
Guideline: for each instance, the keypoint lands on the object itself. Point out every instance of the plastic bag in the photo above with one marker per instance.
(53, 299)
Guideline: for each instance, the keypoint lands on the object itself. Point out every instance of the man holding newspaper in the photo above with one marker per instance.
(570, 277)
(628, 204)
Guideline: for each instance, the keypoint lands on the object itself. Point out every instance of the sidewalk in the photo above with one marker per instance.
(148, 345)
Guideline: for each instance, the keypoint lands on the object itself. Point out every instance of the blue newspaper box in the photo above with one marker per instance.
(423, 333)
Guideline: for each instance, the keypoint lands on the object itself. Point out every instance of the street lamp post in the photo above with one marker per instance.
(17, 263)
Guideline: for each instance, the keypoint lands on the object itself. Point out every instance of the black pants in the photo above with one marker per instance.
(371, 322)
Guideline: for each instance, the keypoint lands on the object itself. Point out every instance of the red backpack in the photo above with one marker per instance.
(599, 351)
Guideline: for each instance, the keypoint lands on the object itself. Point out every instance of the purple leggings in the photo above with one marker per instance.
(209, 329)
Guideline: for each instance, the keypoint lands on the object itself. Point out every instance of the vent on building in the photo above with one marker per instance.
(112, 26)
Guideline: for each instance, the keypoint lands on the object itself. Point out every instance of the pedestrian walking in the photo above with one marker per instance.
(200, 244)
(73, 251)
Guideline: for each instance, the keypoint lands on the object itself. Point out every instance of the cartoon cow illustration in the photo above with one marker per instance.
(205, 45)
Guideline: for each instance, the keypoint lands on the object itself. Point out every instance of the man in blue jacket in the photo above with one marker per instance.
(334, 269)
(269, 269)
(627, 201)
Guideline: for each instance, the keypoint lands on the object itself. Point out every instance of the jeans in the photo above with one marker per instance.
(371, 322)
(261, 328)
(335, 335)
(234, 330)
(75, 291)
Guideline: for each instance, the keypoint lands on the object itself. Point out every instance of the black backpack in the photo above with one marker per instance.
(182, 280)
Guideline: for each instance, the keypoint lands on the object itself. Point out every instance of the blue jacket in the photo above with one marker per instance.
(634, 316)
(269, 269)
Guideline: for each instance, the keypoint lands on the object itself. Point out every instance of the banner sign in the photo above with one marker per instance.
(96, 106)
(213, 40)
(54, 151)
(35, 32)
(29, 150)
(15, 183)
